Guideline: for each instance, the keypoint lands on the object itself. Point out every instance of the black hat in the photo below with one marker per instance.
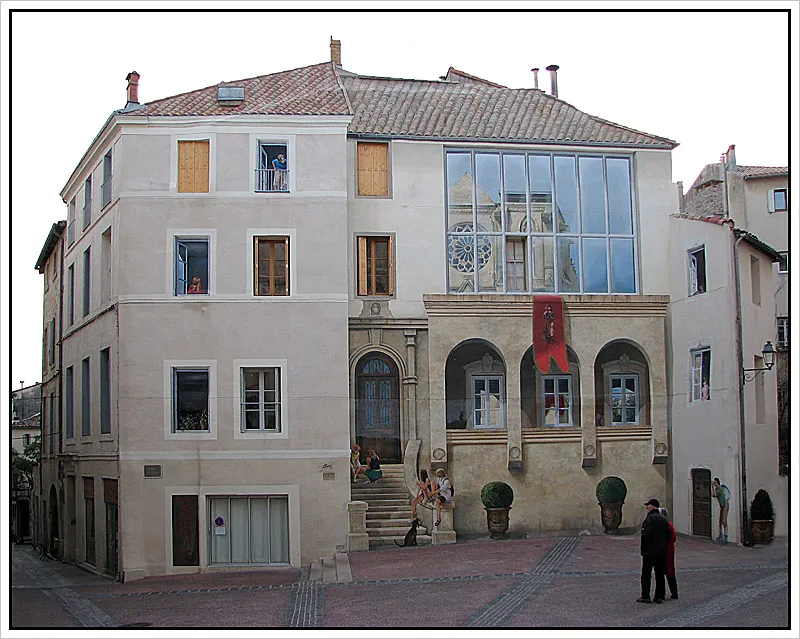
(653, 502)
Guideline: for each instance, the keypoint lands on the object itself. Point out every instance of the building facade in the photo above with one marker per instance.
(268, 271)
(729, 291)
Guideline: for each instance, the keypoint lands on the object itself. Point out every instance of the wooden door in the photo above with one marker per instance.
(378, 407)
(701, 502)
(111, 539)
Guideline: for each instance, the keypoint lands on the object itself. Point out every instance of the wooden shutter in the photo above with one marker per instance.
(771, 200)
(391, 265)
(373, 168)
(193, 166)
(362, 266)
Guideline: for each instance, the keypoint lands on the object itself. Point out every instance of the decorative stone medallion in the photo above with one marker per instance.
(439, 453)
(588, 450)
(661, 448)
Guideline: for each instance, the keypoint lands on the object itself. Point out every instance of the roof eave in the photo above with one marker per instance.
(753, 241)
(56, 232)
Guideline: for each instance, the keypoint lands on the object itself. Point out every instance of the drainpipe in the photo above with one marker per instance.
(744, 533)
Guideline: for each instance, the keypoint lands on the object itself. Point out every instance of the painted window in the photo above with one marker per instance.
(190, 394)
(87, 202)
(488, 401)
(557, 400)
(272, 172)
(780, 200)
(105, 390)
(69, 403)
(261, 399)
(71, 223)
(755, 280)
(701, 375)
(624, 399)
(783, 262)
(191, 266)
(193, 166)
(697, 271)
(71, 289)
(783, 332)
(249, 530)
(86, 399)
(271, 266)
(87, 281)
(375, 265)
(106, 186)
(566, 221)
(373, 168)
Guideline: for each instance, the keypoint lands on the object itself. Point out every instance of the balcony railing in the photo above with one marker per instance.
(272, 180)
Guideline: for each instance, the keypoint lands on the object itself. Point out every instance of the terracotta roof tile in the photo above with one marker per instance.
(312, 90)
(453, 110)
(762, 171)
(711, 219)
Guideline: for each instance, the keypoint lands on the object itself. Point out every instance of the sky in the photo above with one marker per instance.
(703, 79)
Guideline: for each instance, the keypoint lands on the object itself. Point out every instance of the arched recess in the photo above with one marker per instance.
(551, 400)
(622, 385)
(377, 406)
(475, 386)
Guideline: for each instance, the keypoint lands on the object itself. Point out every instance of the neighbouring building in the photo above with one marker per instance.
(26, 406)
(258, 274)
(729, 292)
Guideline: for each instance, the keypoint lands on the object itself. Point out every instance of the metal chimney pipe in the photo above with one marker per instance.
(553, 79)
(535, 78)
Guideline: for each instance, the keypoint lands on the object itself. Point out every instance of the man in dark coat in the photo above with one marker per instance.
(655, 535)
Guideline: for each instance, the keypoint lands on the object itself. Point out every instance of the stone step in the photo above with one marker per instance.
(387, 531)
(343, 573)
(379, 494)
(380, 503)
(329, 570)
(377, 542)
(390, 520)
(383, 511)
(315, 574)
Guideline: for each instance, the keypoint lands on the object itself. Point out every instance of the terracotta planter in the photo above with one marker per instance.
(497, 521)
(762, 530)
(611, 516)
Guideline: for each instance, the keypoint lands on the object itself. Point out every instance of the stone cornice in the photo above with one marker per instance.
(522, 305)
(388, 322)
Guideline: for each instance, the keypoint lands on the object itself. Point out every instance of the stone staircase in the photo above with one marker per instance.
(332, 569)
(389, 513)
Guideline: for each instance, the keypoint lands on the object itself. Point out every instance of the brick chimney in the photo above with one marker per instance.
(133, 88)
(730, 158)
(553, 79)
(336, 52)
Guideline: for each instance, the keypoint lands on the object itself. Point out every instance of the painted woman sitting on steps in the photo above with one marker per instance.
(423, 492)
(373, 469)
(442, 490)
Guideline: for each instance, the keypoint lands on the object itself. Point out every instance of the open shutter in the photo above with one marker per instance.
(771, 200)
(364, 187)
(391, 266)
(362, 266)
(255, 266)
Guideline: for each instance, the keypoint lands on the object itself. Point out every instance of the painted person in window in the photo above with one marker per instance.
(704, 391)
(441, 490)
(195, 287)
(723, 495)
(669, 567)
(279, 164)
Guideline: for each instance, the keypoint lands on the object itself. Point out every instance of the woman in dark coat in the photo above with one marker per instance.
(672, 582)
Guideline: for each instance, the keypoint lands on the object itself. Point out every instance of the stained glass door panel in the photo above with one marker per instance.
(378, 408)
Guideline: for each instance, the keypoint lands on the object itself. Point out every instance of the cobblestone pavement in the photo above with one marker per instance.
(561, 581)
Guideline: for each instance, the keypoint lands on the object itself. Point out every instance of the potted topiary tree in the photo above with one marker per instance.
(762, 518)
(611, 493)
(497, 497)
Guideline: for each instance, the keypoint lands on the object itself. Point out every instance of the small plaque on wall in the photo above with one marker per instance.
(152, 471)
(328, 476)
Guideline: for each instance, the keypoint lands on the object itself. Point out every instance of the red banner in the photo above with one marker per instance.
(548, 333)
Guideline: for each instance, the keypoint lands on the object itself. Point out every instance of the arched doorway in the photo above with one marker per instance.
(475, 386)
(53, 539)
(378, 406)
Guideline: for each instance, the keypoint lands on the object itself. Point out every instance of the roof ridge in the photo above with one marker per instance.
(340, 83)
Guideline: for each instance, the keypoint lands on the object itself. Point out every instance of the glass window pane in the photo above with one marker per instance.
(539, 180)
(563, 385)
(191, 400)
(514, 193)
(279, 530)
(549, 385)
(516, 265)
(251, 420)
(630, 415)
(238, 529)
(487, 192)
(616, 415)
(616, 382)
(480, 385)
(619, 195)
(563, 417)
(595, 265)
(461, 261)
(259, 535)
(459, 189)
(630, 383)
(494, 386)
(543, 265)
(250, 379)
(593, 200)
(490, 263)
(623, 277)
(566, 195)
(568, 265)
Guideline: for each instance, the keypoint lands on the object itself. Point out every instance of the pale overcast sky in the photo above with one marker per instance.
(704, 79)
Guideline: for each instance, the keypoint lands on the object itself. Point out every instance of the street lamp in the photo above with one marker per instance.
(768, 352)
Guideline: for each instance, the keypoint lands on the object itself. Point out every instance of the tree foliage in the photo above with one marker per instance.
(23, 466)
